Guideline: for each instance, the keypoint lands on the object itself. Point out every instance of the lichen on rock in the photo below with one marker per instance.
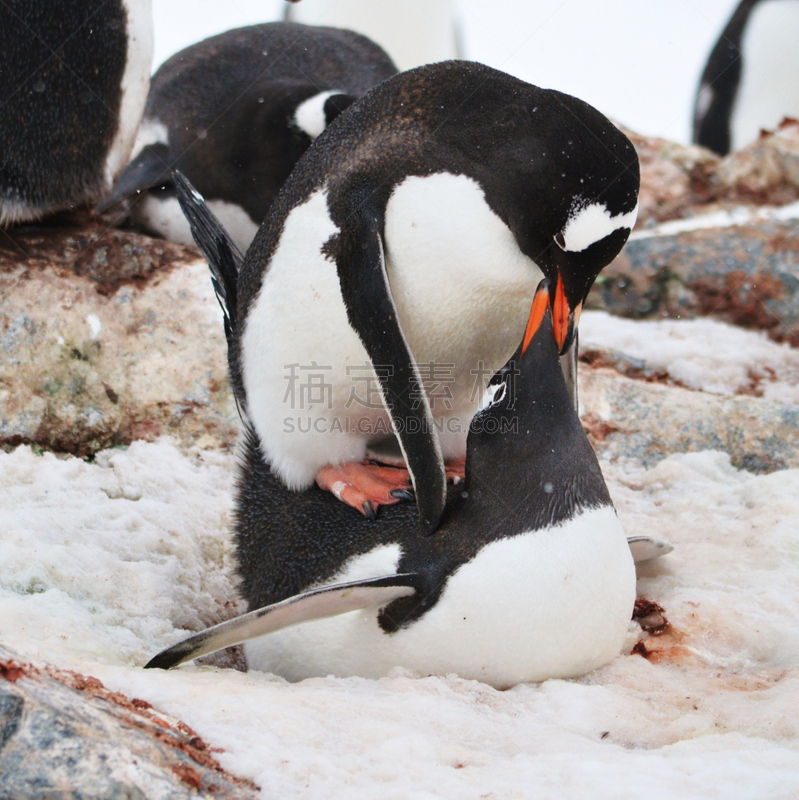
(109, 336)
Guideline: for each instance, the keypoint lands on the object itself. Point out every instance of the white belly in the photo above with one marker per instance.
(164, 217)
(413, 32)
(769, 88)
(462, 287)
(135, 85)
(462, 290)
(547, 604)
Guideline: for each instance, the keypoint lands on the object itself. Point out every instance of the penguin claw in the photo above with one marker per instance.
(456, 470)
(364, 486)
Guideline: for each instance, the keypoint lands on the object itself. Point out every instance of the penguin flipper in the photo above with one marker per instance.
(371, 311)
(149, 168)
(644, 548)
(327, 601)
(223, 254)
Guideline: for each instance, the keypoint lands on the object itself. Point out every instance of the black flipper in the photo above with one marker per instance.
(366, 291)
(149, 168)
(327, 601)
(224, 258)
(645, 548)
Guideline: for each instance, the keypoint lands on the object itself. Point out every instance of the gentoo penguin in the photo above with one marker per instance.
(234, 113)
(413, 32)
(751, 80)
(74, 77)
(396, 265)
(529, 576)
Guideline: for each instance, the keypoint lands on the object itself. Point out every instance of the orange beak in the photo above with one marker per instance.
(560, 316)
(537, 312)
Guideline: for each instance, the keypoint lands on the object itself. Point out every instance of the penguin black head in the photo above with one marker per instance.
(572, 199)
(527, 444)
(557, 172)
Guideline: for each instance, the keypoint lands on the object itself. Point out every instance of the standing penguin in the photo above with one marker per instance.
(413, 32)
(404, 250)
(74, 81)
(751, 80)
(234, 113)
(529, 576)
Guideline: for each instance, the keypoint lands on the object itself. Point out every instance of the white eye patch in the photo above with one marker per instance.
(151, 131)
(493, 394)
(590, 224)
(310, 114)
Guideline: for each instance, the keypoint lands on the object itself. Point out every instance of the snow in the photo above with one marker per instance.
(88, 550)
(102, 564)
(729, 218)
(703, 354)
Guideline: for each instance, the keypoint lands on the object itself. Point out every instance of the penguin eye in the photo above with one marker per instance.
(560, 240)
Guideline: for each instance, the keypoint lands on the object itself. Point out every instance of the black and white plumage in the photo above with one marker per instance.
(73, 83)
(412, 234)
(234, 113)
(751, 80)
(529, 576)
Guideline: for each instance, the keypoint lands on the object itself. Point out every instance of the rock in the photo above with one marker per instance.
(647, 420)
(766, 171)
(109, 336)
(674, 177)
(746, 274)
(64, 735)
(679, 181)
(82, 244)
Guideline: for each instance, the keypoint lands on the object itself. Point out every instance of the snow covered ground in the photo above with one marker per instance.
(102, 564)
(702, 354)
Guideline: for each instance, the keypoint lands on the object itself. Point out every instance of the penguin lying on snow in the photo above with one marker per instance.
(529, 576)
(74, 82)
(411, 237)
(235, 112)
(751, 80)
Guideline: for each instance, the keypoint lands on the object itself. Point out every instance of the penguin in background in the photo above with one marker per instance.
(75, 75)
(751, 80)
(413, 32)
(404, 249)
(234, 113)
(529, 576)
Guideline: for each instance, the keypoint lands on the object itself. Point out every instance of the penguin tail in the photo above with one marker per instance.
(150, 168)
(223, 254)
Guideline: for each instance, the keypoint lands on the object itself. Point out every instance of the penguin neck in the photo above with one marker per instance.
(537, 468)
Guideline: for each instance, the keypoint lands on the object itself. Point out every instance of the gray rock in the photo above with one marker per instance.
(678, 180)
(647, 420)
(108, 336)
(766, 171)
(65, 736)
(674, 177)
(745, 274)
